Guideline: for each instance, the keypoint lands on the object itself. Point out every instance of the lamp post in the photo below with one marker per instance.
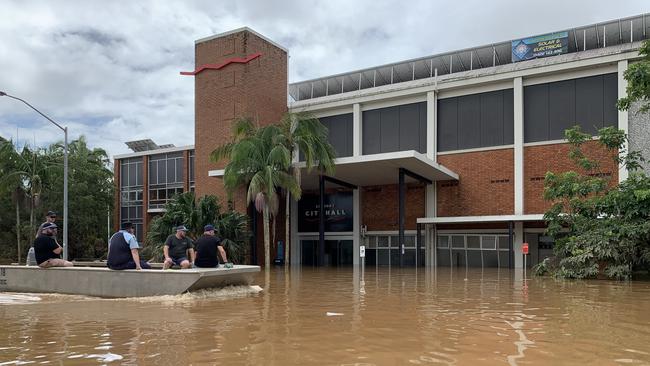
(65, 172)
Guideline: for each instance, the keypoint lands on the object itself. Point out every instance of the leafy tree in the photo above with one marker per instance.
(599, 228)
(638, 81)
(185, 209)
(90, 197)
(259, 162)
(24, 173)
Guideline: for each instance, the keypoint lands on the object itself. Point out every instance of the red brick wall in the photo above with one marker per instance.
(257, 89)
(485, 185)
(540, 159)
(380, 207)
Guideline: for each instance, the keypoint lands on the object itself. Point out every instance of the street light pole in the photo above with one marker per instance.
(65, 171)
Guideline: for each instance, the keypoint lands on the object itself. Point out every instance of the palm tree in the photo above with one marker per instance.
(303, 132)
(185, 209)
(24, 173)
(260, 159)
(260, 162)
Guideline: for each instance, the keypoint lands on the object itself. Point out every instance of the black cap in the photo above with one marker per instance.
(50, 213)
(127, 225)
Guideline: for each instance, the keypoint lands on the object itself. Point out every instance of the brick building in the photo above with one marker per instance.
(440, 160)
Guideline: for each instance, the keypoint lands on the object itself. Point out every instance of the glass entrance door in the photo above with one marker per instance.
(337, 252)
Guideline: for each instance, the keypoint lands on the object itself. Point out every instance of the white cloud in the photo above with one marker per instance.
(110, 70)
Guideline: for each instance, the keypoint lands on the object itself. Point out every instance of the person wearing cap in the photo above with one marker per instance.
(207, 247)
(176, 248)
(46, 250)
(123, 250)
(50, 217)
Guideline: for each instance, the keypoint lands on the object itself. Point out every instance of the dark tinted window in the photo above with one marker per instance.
(340, 133)
(398, 128)
(551, 108)
(476, 120)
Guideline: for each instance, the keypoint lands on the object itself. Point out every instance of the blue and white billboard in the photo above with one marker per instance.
(540, 46)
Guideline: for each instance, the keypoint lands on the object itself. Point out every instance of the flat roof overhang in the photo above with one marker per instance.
(479, 219)
(375, 169)
(380, 169)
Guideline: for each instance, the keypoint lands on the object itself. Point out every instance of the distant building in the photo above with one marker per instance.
(467, 137)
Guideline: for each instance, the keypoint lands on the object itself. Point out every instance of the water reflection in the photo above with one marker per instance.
(377, 316)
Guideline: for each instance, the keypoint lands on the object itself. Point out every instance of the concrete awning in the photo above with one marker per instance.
(479, 219)
(380, 169)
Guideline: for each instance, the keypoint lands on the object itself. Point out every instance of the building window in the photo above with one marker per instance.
(165, 178)
(473, 250)
(384, 250)
(131, 192)
(398, 128)
(476, 120)
(551, 108)
(191, 170)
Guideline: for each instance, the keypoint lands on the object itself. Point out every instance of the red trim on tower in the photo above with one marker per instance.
(235, 60)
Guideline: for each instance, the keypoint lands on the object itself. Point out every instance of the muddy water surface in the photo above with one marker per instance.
(341, 317)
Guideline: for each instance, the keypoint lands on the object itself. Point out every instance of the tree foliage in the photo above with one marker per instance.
(185, 209)
(638, 82)
(600, 229)
(31, 179)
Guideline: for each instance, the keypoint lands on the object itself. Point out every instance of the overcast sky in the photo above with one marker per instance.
(110, 69)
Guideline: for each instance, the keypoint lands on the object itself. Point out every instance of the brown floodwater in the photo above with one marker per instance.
(329, 316)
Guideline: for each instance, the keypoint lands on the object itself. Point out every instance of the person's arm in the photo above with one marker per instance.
(223, 254)
(192, 255)
(58, 250)
(168, 243)
(136, 258)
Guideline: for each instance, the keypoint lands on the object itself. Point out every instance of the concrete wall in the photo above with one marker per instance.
(639, 133)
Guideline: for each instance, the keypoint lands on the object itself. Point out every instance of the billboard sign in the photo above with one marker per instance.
(338, 212)
(540, 46)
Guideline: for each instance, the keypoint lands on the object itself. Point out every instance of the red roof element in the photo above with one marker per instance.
(234, 60)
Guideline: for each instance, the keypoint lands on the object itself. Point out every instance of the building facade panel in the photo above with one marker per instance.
(485, 185)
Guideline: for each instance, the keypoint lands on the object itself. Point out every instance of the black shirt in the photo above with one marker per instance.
(206, 251)
(44, 248)
(178, 247)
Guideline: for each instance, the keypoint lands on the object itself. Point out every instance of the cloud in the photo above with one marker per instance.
(110, 70)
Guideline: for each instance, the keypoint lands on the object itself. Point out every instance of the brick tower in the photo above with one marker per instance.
(238, 74)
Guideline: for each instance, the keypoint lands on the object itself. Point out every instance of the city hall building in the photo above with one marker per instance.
(440, 159)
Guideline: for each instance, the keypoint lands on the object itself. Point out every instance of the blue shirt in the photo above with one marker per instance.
(130, 239)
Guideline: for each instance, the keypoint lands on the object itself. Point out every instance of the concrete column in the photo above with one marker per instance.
(622, 115)
(432, 124)
(519, 240)
(356, 225)
(295, 243)
(519, 145)
(357, 130)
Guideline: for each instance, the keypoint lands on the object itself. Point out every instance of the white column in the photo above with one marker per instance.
(519, 240)
(432, 124)
(357, 130)
(295, 247)
(622, 115)
(356, 225)
(519, 145)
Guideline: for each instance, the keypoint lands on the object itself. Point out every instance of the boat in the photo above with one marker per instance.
(104, 282)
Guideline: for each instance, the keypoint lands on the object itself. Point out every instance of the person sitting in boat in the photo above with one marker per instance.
(46, 250)
(50, 217)
(176, 248)
(206, 249)
(123, 250)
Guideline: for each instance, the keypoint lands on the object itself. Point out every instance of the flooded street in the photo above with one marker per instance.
(327, 316)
